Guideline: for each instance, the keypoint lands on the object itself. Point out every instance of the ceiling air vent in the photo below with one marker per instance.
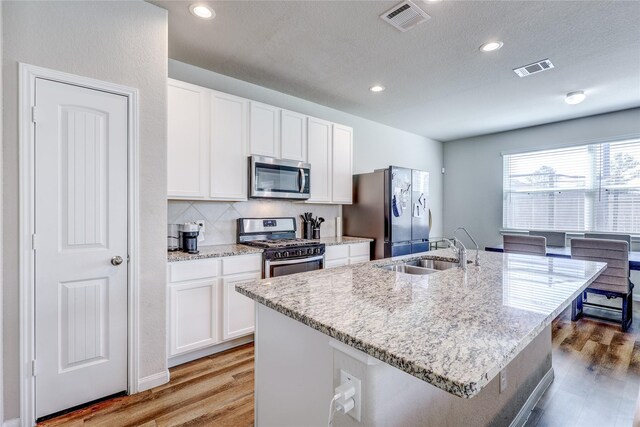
(404, 16)
(536, 67)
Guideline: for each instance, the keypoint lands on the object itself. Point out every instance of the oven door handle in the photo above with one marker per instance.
(302, 180)
(297, 260)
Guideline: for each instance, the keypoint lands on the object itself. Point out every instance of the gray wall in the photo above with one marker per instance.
(120, 42)
(473, 179)
(375, 145)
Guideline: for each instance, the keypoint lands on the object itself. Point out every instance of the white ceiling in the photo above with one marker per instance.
(438, 84)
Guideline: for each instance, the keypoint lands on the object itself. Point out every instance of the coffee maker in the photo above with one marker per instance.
(189, 232)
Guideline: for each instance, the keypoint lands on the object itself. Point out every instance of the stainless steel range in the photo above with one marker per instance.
(283, 252)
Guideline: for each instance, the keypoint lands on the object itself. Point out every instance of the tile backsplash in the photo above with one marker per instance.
(221, 217)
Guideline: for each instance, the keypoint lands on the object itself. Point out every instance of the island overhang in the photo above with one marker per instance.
(455, 329)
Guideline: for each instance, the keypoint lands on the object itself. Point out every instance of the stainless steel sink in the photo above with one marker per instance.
(409, 269)
(421, 266)
(434, 264)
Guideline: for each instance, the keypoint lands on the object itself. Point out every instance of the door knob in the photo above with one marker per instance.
(116, 260)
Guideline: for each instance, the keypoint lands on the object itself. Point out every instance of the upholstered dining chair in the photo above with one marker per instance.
(556, 239)
(526, 245)
(613, 282)
(623, 237)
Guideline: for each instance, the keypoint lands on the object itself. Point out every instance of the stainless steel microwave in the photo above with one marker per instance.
(279, 179)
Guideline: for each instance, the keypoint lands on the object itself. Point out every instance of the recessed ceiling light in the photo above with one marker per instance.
(491, 46)
(202, 11)
(376, 88)
(574, 98)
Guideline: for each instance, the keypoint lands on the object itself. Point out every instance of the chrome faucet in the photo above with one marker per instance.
(452, 246)
(461, 253)
(463, 250)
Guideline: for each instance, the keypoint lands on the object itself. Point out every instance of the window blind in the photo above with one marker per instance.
(593, 187)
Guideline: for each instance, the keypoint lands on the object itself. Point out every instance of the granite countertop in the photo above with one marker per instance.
(344, 240)
(453, 329)
(216, 251)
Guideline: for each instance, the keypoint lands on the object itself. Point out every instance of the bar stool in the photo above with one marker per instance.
(623, 237)
(556, 239)
(526, 245)
(613, 282)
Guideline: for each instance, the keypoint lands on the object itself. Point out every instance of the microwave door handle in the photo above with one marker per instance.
(303, 180)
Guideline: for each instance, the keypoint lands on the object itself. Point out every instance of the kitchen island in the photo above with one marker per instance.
(428, 349)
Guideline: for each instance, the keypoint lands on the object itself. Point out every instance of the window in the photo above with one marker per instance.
(592, 187)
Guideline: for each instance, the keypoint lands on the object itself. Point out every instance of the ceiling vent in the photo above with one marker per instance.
(404, 16)
(536, 67)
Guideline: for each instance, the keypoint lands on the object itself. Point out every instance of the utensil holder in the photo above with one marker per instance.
(307, 230)
(316, 233)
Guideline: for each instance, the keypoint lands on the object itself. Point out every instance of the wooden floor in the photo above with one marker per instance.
(212, 391)
(597, 378)
(597, 375)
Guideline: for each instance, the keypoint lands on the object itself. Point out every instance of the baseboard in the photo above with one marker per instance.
(153, 380)
(11, 423)
(525, 411)
(193, 355)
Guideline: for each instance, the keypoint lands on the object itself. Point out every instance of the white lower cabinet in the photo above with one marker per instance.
(340, 255)
(238, 311)
(333, 263)
(359, 252)
(359, 259)
(204, 307)
(193, 316)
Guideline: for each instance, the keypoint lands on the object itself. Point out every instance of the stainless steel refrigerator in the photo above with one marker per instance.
(390, 206)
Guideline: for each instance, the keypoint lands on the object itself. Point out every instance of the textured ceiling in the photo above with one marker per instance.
(437, 82)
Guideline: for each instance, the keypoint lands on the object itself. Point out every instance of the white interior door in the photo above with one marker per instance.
(81, 229)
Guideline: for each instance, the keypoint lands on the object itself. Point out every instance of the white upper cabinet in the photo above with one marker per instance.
(319, 151)
(228, 159)
(212, 134)
(330, 150)
(293, 129)
(264, 130)
(342, 155)
(188, 141)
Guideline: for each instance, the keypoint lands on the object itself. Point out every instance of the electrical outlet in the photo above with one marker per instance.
(503, 380)
(356, 412)
(200, 223)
